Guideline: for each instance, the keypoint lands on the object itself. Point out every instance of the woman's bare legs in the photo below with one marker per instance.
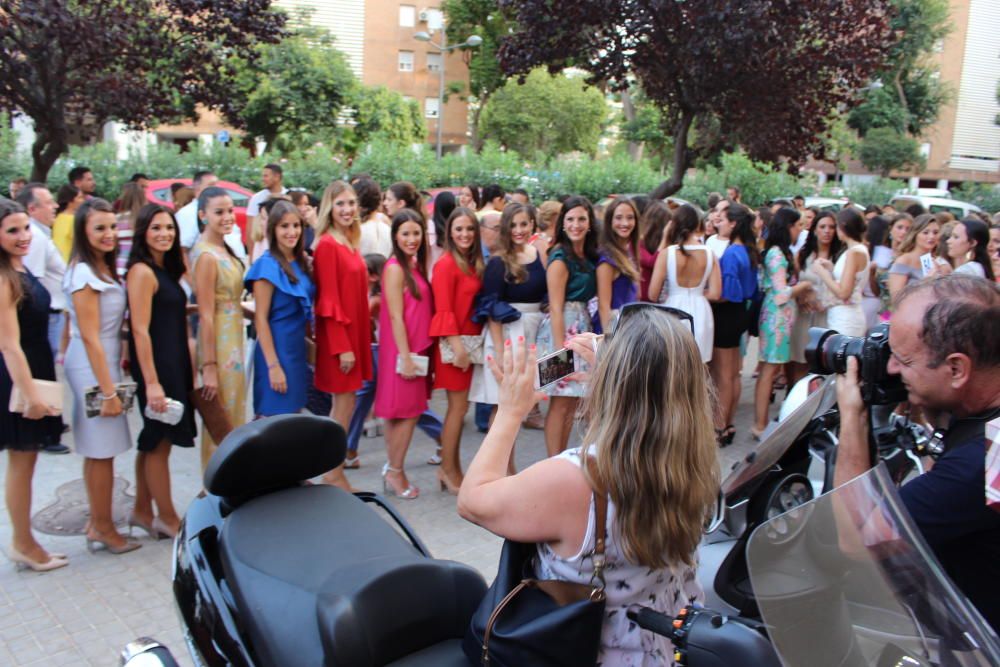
(398, 434)
(99, 478)
(723, 368)
(451, 437)
(343, 408)
(156, 466)
(762, 394)
(559, 423)
(20, 471)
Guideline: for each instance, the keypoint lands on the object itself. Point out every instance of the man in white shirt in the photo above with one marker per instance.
(45, 263)
(187, 218)
(271, 178)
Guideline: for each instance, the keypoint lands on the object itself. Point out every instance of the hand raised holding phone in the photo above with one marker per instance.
(517, 378)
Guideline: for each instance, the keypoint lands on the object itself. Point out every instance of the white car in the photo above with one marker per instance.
(959, 209)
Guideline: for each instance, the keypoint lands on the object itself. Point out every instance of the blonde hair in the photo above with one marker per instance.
(324, 222)
(921, 223)
(650, 421)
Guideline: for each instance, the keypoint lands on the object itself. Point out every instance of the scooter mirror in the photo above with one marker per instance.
(718, 514)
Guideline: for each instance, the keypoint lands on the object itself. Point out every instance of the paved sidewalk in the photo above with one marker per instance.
(83, 614)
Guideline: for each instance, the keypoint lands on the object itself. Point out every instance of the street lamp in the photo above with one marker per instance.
(422, 36)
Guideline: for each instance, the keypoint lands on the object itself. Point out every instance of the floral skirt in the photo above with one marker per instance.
(576, 319)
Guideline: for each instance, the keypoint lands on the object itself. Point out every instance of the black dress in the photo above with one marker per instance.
(172, 360)
(16, 432)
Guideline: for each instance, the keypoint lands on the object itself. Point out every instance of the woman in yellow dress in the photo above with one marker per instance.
(218, 284)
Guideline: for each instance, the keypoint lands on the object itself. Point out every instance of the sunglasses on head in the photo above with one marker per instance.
(630, 309)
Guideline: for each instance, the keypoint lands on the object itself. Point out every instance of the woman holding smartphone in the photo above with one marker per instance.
(572, 282)
(161, 363)
(96, 310)
(404, 323)
(24, 343)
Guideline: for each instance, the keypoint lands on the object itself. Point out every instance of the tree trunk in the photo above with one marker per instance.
(477, 143)
(635, 148)
(49, 145)
(680, 161)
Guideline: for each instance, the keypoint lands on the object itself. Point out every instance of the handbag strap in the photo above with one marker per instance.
(600, 530)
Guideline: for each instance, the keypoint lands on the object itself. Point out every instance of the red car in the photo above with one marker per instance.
(158, 192)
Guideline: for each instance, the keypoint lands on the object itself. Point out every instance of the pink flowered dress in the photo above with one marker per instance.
(777, 314)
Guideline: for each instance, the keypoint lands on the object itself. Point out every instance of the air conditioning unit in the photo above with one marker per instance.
(424, 15)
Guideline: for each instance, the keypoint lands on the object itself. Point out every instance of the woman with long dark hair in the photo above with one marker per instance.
(571, 279)
(618, 261)
(404, 325)
(652, 239)
(822, 243)
(738, 266)
(24, 322)
(97, 304)
(847, 277)
(281, 284)
(880, 250)
(469, 197)
(218, 285)
(968, 248)
(777, 313)
(455, 284)
(161, 363)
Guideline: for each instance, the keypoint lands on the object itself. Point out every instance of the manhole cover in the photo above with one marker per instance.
(68, 515)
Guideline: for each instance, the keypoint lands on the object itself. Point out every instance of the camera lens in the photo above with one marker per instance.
(827, 351)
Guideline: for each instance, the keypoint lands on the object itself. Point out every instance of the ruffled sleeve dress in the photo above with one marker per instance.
(455, 294)
(289, 316)
(342, 318)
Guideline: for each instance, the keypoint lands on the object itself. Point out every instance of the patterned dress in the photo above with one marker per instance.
(668, 591)
(228, 339)
(777, 314)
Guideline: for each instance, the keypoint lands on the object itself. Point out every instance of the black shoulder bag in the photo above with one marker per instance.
(524, 621)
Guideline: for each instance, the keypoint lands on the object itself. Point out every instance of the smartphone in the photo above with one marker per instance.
(927, 263)
(554, 367)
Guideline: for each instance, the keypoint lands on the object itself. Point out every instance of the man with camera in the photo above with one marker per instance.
(945, 342)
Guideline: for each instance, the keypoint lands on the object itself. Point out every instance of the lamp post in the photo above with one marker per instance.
(422, 36)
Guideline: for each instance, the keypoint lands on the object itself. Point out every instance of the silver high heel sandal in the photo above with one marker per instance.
(409, 493)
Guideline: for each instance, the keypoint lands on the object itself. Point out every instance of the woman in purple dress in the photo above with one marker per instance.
(617, 266)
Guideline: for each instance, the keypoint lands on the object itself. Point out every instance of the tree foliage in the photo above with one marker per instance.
(910, 96)
(384, 115)
(547, 113)
(138, 61)
(885, 149)
(766, 72)
(483, 18)
(294, 90)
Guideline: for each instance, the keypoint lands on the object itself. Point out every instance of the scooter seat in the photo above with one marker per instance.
(278, 551)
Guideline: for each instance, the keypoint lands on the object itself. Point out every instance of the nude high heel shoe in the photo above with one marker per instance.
(22, 562)
(409, 493)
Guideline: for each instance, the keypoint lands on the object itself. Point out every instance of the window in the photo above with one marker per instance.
(433, 62)
(406, 61)
(407, 16)
(431, 107)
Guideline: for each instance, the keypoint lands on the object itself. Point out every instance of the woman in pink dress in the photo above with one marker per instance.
(405, 322)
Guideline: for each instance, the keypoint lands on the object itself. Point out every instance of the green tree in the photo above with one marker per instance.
(295, 90)
(884, 150)
(483, 18)
(910, 97)
(386, 116)
(548, 114)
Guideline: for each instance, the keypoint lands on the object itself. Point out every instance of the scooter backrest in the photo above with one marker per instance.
(274, 453)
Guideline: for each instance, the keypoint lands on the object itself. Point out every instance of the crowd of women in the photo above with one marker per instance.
(373, 302)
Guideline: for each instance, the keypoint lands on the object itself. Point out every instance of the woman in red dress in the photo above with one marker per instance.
(343, 333)
(456, 282)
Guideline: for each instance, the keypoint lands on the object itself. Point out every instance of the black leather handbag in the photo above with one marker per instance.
(523, 621)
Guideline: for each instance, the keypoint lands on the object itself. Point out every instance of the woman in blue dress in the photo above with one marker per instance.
(283, 292)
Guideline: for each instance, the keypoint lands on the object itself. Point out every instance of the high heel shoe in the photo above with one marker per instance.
(729, 434)
(95, 544)
(755, 434)
(446, 484)
(156, 529)
(163, 529)
(409, 493)
(435, 458)
(22, 561)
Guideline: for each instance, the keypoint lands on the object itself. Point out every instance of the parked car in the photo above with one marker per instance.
(959, 209)
(158, 192)
(672, 202)
(834, 204)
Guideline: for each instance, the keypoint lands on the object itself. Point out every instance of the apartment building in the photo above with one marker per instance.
(378, 38)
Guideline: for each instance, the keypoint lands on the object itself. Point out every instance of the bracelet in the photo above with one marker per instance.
(108, 398)
(274, 365)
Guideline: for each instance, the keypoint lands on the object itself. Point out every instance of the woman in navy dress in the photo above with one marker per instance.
(24, 321)
(283, 292)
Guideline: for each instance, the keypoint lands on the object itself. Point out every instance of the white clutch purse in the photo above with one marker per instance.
(422, 362)
(50, 391)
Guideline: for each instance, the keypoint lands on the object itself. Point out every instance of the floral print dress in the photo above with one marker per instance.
(777, 314)
(667, 590)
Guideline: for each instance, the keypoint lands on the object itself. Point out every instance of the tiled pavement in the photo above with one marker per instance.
(83, 614)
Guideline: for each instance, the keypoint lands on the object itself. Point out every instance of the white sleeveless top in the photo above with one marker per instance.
(668, 591)
(692, 299)
(847, 316)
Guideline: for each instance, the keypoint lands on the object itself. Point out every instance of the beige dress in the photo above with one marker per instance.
(228, 339)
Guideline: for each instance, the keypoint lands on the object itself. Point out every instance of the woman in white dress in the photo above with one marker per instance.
(687, 276)
(846, 278)
(97, 303)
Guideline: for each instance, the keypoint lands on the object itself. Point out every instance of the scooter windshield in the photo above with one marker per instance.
(846, 580)
(816, 399)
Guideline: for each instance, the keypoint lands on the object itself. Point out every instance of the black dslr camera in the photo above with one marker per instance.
(827, 353)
